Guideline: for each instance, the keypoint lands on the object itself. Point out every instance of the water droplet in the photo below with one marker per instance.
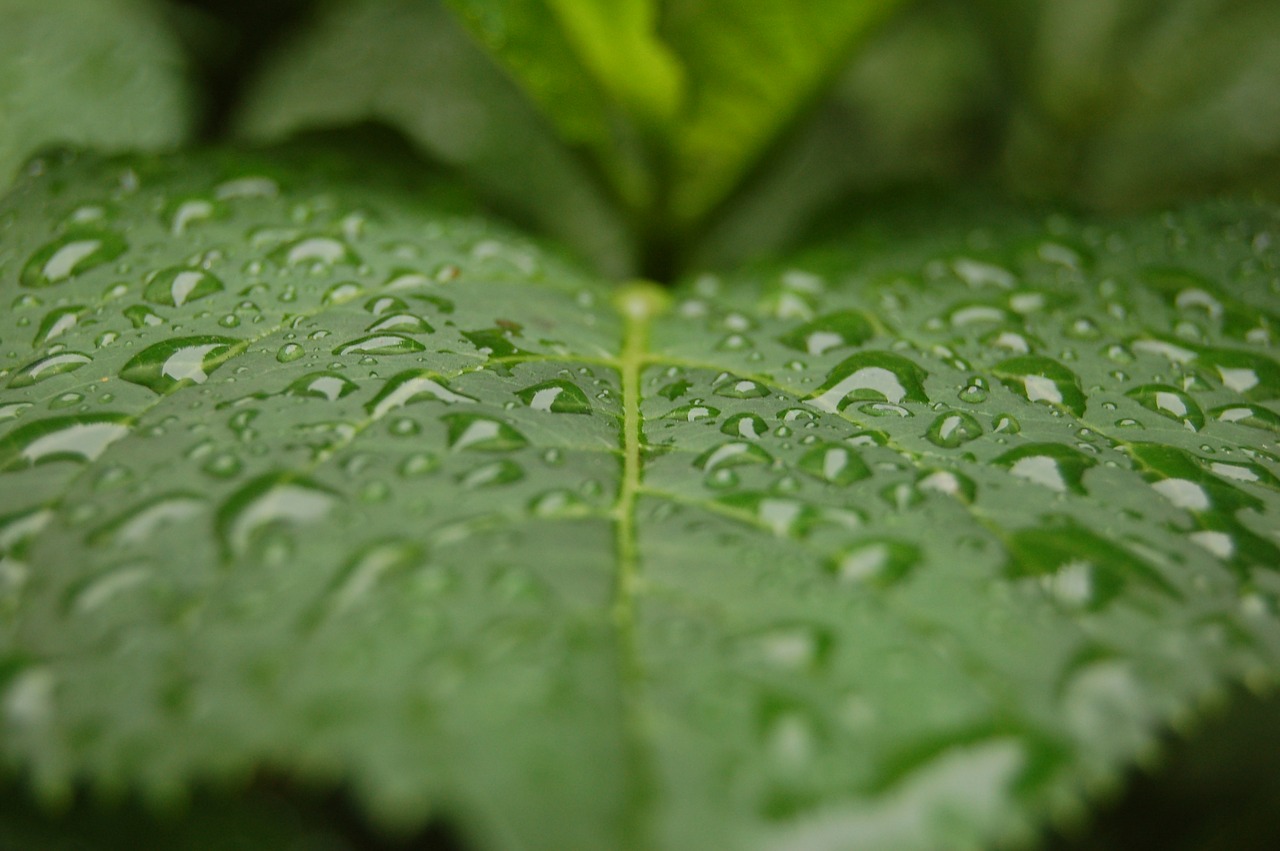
(48, 367)
(403, 323)
(558, 503)
(977, 273)
(1078, 567)
(57, 322)
(178, 285)
(1253, 416)
(270, 501)
(828, 332)
(1169, 402)
(741, 388)
(479, 432)
(879, 562)
(557, 396)
(180, 362)
(953, 429)
(784, 517)
(289, 352)
(733, 454)
(141, 316)
(749, 426)
(381, 344)
(330, 386)
(222, 465)
(252, 186)
(1041, 379)
(317, 251)
(870, 375)
(948, 482)
(1051, 465)
(341, 292)
(975, 392)
(415, 385)
(834, 463)
(71, 255)
(137, 525)
(370, 566)
(79, 438)
(418, 464)
(793, 647)
(501, 472)
(692, 413)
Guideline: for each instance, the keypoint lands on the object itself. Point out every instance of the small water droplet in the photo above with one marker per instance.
(870, 375)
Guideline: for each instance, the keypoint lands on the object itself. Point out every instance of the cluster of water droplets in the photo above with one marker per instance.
(990, 472)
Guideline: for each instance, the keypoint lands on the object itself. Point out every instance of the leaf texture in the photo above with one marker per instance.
(912, 541)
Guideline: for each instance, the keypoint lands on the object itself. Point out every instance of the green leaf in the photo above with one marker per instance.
(1132, 102)
(106, 73)
(910, 542)
(704, 86)
(409, 63)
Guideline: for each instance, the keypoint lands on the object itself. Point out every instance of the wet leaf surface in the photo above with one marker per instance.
(900, 543)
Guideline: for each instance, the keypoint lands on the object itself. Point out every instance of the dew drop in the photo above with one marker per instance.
(482, 433)
(749, 426)
(71, 255)
(879, 562)
(381, 344)
(280, 499)
(180, 362)
(870, 375)
(330, 386)
(48, 367)
(179, 285)
(415, 385)
(557, 396)
(77, 438)
(834, 463)
(953, 429)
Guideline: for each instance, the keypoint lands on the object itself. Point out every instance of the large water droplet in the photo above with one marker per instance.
(733, 454)
(829, 332)
(1254, 416)
(741, 388)
(1051, 465)
(166, 366)
(494, 473)
(71, 255)
(879, 562)
(1040, 379)
(953, 429)
(479, 432)
(381, 344)
(402, 323)
(322, 385)
(138, 524)
(370, 566)
(179, 285)
(57, 322)
(557, 396)
(692, 413)
(322, 251)
(415, 385)
(788, 518)
(870, 375)
(48, 367)
(749, 426)
(77, 438)
(833, 463)
(1169, 402)
(273, 500)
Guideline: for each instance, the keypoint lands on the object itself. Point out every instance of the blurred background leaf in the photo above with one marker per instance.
(107, 73)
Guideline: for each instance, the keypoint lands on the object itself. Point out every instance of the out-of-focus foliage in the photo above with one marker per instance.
(106, 73)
